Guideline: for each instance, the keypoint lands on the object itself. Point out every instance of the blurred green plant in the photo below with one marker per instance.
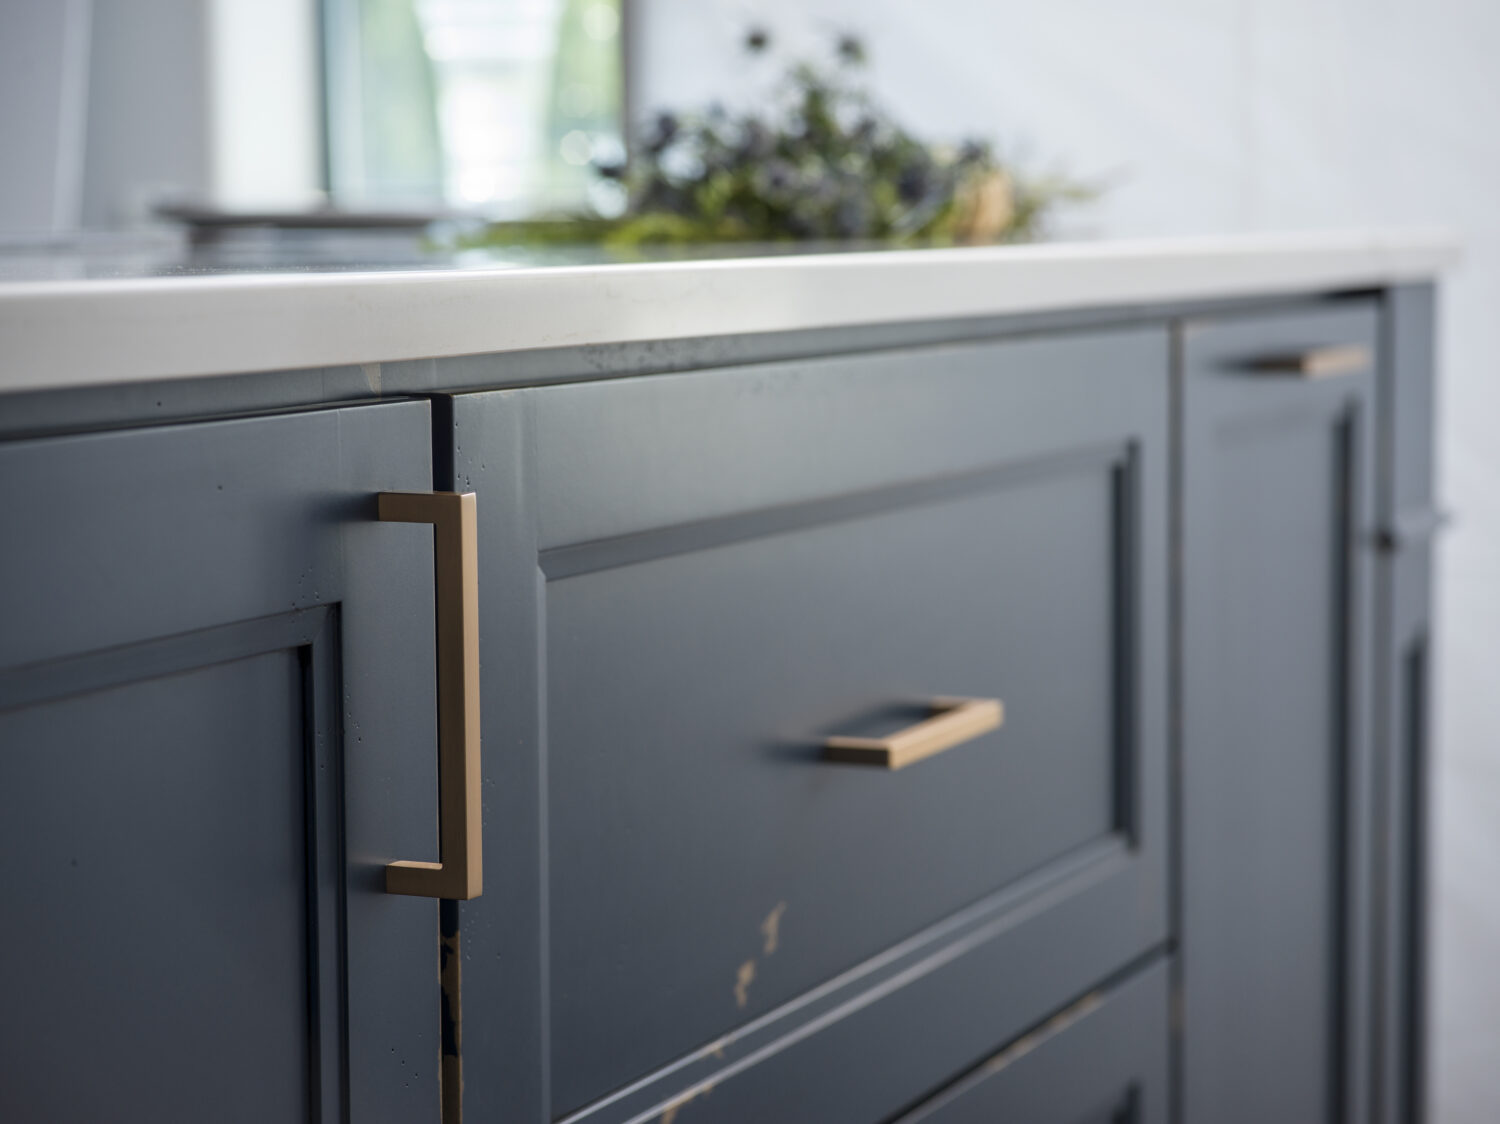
(826, 164)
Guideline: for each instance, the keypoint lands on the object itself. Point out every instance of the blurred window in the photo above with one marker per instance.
(492, 105)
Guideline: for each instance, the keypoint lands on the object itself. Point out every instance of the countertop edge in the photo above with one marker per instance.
(59, 334)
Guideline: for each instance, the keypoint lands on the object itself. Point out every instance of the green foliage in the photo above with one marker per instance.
(825, 164)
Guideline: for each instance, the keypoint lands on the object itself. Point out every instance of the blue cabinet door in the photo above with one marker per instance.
(1279, 439)
(216, 726)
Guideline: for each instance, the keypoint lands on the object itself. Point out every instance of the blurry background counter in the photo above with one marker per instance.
(161, 311)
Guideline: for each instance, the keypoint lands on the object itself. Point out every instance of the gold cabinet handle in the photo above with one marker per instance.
(953, 722)
(457, 874)
(1319, 362)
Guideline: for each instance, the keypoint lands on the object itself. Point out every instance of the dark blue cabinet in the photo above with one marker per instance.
(1408, 519)
(1100, 1060)
(1148, 594)
(1278, 547)
(689, 582)
(216, 726)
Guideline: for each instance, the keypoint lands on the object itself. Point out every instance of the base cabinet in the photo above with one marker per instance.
(1176, 563)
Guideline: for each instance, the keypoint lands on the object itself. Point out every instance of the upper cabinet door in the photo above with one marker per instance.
(216, 727)
(696, 590)
(1278, 501)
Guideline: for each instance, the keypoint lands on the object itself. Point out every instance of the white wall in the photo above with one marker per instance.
(197, 101)
(1247, 115)
(43, 87)
(148, 116)
(263, 82)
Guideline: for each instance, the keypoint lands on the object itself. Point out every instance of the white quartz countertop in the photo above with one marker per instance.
(104, 330)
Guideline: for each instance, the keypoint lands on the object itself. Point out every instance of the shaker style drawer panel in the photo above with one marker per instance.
(748, 589)
(1102, 1060)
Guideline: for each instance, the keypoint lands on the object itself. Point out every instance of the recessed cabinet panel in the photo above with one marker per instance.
(708, 577)
(157, 914)
(695, 830)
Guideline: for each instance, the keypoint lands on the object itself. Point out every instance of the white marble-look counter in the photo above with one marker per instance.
(98, 331)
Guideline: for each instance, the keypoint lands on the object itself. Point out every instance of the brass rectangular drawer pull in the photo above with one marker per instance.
(953, 722)
(457, 873)
(1319, 362)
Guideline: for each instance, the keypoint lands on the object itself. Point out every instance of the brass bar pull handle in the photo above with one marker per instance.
(953, 722)
(457, 874)
(1319, 362)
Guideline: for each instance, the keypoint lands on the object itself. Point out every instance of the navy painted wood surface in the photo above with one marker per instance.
(1409, 520)
(1277, 531)
(1101, 1060)
(688, 581)
(216, 712)
(216, 725)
